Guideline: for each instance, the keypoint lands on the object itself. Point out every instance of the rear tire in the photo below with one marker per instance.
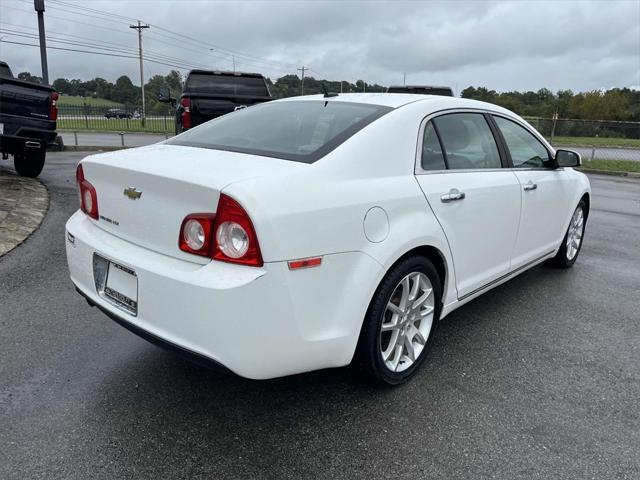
(29, 165)
(572, 241)
(392, 355)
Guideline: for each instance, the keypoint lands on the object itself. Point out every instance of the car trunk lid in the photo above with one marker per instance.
(145, 193)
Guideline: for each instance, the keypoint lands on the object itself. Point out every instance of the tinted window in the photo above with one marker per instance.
(294, 130)
(226, 84)
(525, 149)
(432, 157)
(468, 141)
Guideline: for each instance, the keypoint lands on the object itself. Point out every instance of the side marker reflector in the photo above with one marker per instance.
(304, 263)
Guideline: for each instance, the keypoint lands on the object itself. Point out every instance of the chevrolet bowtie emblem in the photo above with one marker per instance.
(132, 193)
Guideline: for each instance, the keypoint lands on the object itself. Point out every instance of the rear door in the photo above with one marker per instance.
(475, 199)
(545, 192)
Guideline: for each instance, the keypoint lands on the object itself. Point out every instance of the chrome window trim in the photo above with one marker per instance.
(418, 170)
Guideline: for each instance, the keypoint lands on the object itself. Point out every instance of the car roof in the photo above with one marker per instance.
(397, 100)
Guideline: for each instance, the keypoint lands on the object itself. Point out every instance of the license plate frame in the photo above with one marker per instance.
(116, 283)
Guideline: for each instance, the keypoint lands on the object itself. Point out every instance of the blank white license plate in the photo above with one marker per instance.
(121, 287)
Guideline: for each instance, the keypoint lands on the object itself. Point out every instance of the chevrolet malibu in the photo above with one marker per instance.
(321, 231)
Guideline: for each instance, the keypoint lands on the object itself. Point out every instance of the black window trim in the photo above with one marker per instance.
(505, 157)
(310, 158)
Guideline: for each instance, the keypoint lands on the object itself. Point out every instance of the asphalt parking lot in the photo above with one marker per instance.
(539, 378)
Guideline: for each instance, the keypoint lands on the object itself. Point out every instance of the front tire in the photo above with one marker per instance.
(29, 165)
(400, 322)
(572, 241)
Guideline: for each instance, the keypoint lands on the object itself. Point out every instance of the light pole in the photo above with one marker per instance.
(38, 5)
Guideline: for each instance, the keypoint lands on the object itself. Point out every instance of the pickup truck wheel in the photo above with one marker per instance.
(29, 165)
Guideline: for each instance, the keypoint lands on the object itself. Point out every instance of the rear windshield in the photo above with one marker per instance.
(445, 92)
(302, 131)
(226, 84)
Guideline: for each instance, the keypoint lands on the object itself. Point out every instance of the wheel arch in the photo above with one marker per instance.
(587, 200)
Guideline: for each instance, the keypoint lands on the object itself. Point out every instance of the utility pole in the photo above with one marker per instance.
(404, 78)
(139, 27)
(38, 5)
(302, 70)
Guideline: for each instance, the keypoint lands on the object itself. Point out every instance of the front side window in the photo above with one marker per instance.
(467, 141)
(525, 149)
(302, 131)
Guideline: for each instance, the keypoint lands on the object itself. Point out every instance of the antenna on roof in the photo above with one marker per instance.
(327, 94)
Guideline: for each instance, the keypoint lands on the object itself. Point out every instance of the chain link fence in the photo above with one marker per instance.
(596, 140)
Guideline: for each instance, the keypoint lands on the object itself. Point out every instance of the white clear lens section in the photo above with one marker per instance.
(194, 234)
(232, 239)
(88, 201)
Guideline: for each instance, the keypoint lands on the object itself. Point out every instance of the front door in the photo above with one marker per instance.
(545, 194)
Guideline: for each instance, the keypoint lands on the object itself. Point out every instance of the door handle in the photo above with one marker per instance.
(530, 186)
(453, 195)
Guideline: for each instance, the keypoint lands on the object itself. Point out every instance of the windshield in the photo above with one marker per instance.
(226, 84)
(303, 131)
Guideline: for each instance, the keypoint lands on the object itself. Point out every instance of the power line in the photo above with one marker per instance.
(123, 49)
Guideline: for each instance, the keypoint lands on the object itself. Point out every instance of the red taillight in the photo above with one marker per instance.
(228, 235)
(53, 111)
(196, 234)
(88, 196)
(186, 112)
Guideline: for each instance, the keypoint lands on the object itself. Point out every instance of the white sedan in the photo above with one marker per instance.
(316, 232)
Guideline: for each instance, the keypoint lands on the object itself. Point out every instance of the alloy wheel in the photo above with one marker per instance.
(574, 235)
(407, 322)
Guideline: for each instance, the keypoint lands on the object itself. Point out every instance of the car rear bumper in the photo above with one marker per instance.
(257, 322)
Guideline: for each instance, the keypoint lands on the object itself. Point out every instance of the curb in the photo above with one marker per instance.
(610, 173)
(27, 201)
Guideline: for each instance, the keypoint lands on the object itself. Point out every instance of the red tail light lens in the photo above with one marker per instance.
(87, 193)
(186, 112)
(236, 239)
(196, 234)
(53, 111)
(228, 235)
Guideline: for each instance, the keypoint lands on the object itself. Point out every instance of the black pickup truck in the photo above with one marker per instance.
(209, 94)
(28, 116)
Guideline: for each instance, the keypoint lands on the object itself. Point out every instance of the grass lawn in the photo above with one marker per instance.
(595, 141)
(93, 102)
(613, 165)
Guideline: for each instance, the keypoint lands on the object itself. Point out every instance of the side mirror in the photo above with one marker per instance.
(164, 96)
(567, 158)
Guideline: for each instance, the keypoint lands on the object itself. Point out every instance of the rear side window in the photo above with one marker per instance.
(303, 131)
(467, 141)
(226, 85)
(432, 157)
(525, 149)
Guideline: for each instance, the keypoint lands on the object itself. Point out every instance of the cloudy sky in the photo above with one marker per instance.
(504, 45)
